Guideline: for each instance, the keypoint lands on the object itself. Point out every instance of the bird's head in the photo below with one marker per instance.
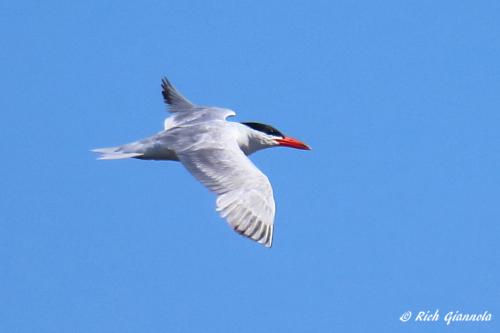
(270, 137)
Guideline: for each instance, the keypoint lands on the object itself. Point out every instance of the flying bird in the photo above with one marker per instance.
(215, 152)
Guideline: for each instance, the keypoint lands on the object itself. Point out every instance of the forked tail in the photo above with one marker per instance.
(114, 153)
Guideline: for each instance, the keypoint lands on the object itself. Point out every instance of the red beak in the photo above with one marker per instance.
(292, 143)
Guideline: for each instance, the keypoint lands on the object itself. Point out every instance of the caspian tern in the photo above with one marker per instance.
(215, 151)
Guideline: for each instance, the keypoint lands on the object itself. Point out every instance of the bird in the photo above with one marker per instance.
(214, 150)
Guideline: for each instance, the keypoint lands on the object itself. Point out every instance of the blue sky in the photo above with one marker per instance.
(395, 209)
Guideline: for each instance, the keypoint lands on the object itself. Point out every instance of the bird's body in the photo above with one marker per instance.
(214, 150)
(160, 146)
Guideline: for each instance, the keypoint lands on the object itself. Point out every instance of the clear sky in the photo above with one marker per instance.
(395, 209)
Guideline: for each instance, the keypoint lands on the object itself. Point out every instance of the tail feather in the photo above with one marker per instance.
(114, 153)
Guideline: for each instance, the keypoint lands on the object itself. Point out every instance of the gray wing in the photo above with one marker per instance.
(245, 196)
(175, 101)
(186, 113)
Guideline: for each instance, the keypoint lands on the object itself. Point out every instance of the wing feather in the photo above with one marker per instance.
(173, 98)
(186, 113)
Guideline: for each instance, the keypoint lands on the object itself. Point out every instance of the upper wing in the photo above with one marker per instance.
(245, 196)
(185, 112)
(173, 98)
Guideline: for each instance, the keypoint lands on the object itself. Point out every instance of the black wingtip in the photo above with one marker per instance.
(172, 97)
(166, 88)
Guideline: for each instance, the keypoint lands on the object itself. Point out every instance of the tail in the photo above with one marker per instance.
(114, 153)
